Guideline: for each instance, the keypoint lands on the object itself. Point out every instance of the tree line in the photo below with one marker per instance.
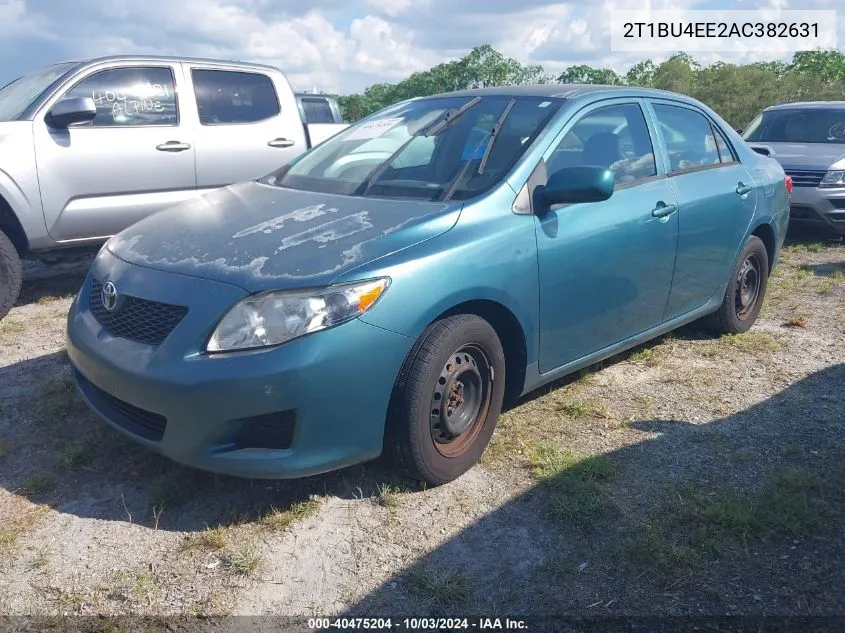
(736, 92)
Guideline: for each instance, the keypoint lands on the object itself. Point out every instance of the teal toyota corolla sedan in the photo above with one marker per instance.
(388, 290)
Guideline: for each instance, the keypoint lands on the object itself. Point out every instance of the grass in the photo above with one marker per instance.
(441, 586)
(752, 342)
(37, 484)
(804, 247)
(388, 496)
(246, 560)
(9, 328)
(211, 539)
(574, 408)
(41, 559)
(75, 456)
(19, 517)
(578, 493)
(277, 519)
(58, 397)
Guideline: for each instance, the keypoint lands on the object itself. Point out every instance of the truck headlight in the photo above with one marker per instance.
(833, 178)
(272, 318)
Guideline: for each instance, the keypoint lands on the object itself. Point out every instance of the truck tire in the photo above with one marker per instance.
(10, 275)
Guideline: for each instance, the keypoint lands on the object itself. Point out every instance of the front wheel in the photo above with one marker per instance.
(447, 399)
(10, 275)
(745, 292)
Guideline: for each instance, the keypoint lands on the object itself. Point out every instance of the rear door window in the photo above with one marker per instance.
(317, 110)
(232, 97)
(688, 136)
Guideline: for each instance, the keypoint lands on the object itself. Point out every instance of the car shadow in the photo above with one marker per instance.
(42, 281)
(59, 453)
(739, 515)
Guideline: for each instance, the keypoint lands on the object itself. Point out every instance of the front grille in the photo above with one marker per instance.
(805, 177)
(134, 419)
(272, 431)
(136, 319)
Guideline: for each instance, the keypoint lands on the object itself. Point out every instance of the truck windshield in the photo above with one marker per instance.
(17, 96)
(428, 149)
(809, 125)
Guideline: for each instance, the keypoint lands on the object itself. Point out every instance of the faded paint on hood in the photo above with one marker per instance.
(262, 237)
(810, 156)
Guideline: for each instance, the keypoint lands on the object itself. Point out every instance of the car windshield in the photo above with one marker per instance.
(17, 96)
(434, 148)
(810, 125)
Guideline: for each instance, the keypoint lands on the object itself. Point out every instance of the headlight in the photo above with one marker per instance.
(272, 318)
(834, 178)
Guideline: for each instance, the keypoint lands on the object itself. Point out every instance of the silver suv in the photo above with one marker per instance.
(808, 140)
(88, 148)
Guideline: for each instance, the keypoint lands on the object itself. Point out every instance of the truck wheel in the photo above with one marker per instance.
(10, 275)
(745, 292)
(447, 399)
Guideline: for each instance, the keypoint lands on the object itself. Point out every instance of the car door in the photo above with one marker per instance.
(605, 267)
(248, 125)
(134, 158)
(716, 201)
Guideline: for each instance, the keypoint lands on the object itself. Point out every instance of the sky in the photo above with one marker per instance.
(343, 45)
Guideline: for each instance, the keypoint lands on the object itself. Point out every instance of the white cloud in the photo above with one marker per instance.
(341, 45)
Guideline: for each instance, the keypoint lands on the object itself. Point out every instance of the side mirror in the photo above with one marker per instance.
(578, 184)
(72, 110)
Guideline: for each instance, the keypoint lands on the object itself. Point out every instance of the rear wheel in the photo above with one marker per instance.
(745, 292)
(10, 275)
(447, 399)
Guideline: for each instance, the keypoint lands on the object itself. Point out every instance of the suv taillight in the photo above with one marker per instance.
(788, 181)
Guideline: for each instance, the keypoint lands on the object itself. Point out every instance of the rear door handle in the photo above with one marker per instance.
(281, 142)
(662, 209)
(743, 189)
(173, 146)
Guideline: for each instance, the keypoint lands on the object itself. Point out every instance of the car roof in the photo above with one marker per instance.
(559, 91)
(808, 105)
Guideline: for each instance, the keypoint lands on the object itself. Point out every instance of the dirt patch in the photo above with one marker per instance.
(691, 475)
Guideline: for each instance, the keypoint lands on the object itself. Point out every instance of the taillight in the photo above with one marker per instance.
(788, 181)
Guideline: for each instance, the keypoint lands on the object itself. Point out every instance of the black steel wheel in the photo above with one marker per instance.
(745, 292)
(447, 399)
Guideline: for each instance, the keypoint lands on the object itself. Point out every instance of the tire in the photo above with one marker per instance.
(446, 400)
(745, 292)
(10, 275)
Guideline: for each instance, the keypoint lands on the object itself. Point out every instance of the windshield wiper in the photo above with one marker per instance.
(449, 118)
(432, 128)
(493, 134)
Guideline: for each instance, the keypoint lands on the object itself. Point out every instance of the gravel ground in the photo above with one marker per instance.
(692, 475)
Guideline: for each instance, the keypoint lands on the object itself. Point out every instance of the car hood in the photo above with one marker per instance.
(262, 237)
(818, 156)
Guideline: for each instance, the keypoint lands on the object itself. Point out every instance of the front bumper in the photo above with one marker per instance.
(336, 383)
(818, 205)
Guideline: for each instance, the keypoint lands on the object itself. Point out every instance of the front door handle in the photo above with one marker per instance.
(743, 189)
(281, 142)
(173, 146)
(662, 209)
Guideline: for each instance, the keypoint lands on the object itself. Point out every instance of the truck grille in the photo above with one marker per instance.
(136, 319)
(805, 177)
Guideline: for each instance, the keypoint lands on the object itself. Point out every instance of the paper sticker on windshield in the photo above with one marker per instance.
(545, 104)
(373, 129)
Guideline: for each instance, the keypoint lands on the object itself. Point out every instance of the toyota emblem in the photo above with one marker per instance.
(109, 296)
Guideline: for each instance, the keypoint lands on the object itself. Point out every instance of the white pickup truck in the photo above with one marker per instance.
(88, 148)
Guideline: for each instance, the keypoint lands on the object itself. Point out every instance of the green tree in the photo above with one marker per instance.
(826, 65)
(641, 74)
(583, 74)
